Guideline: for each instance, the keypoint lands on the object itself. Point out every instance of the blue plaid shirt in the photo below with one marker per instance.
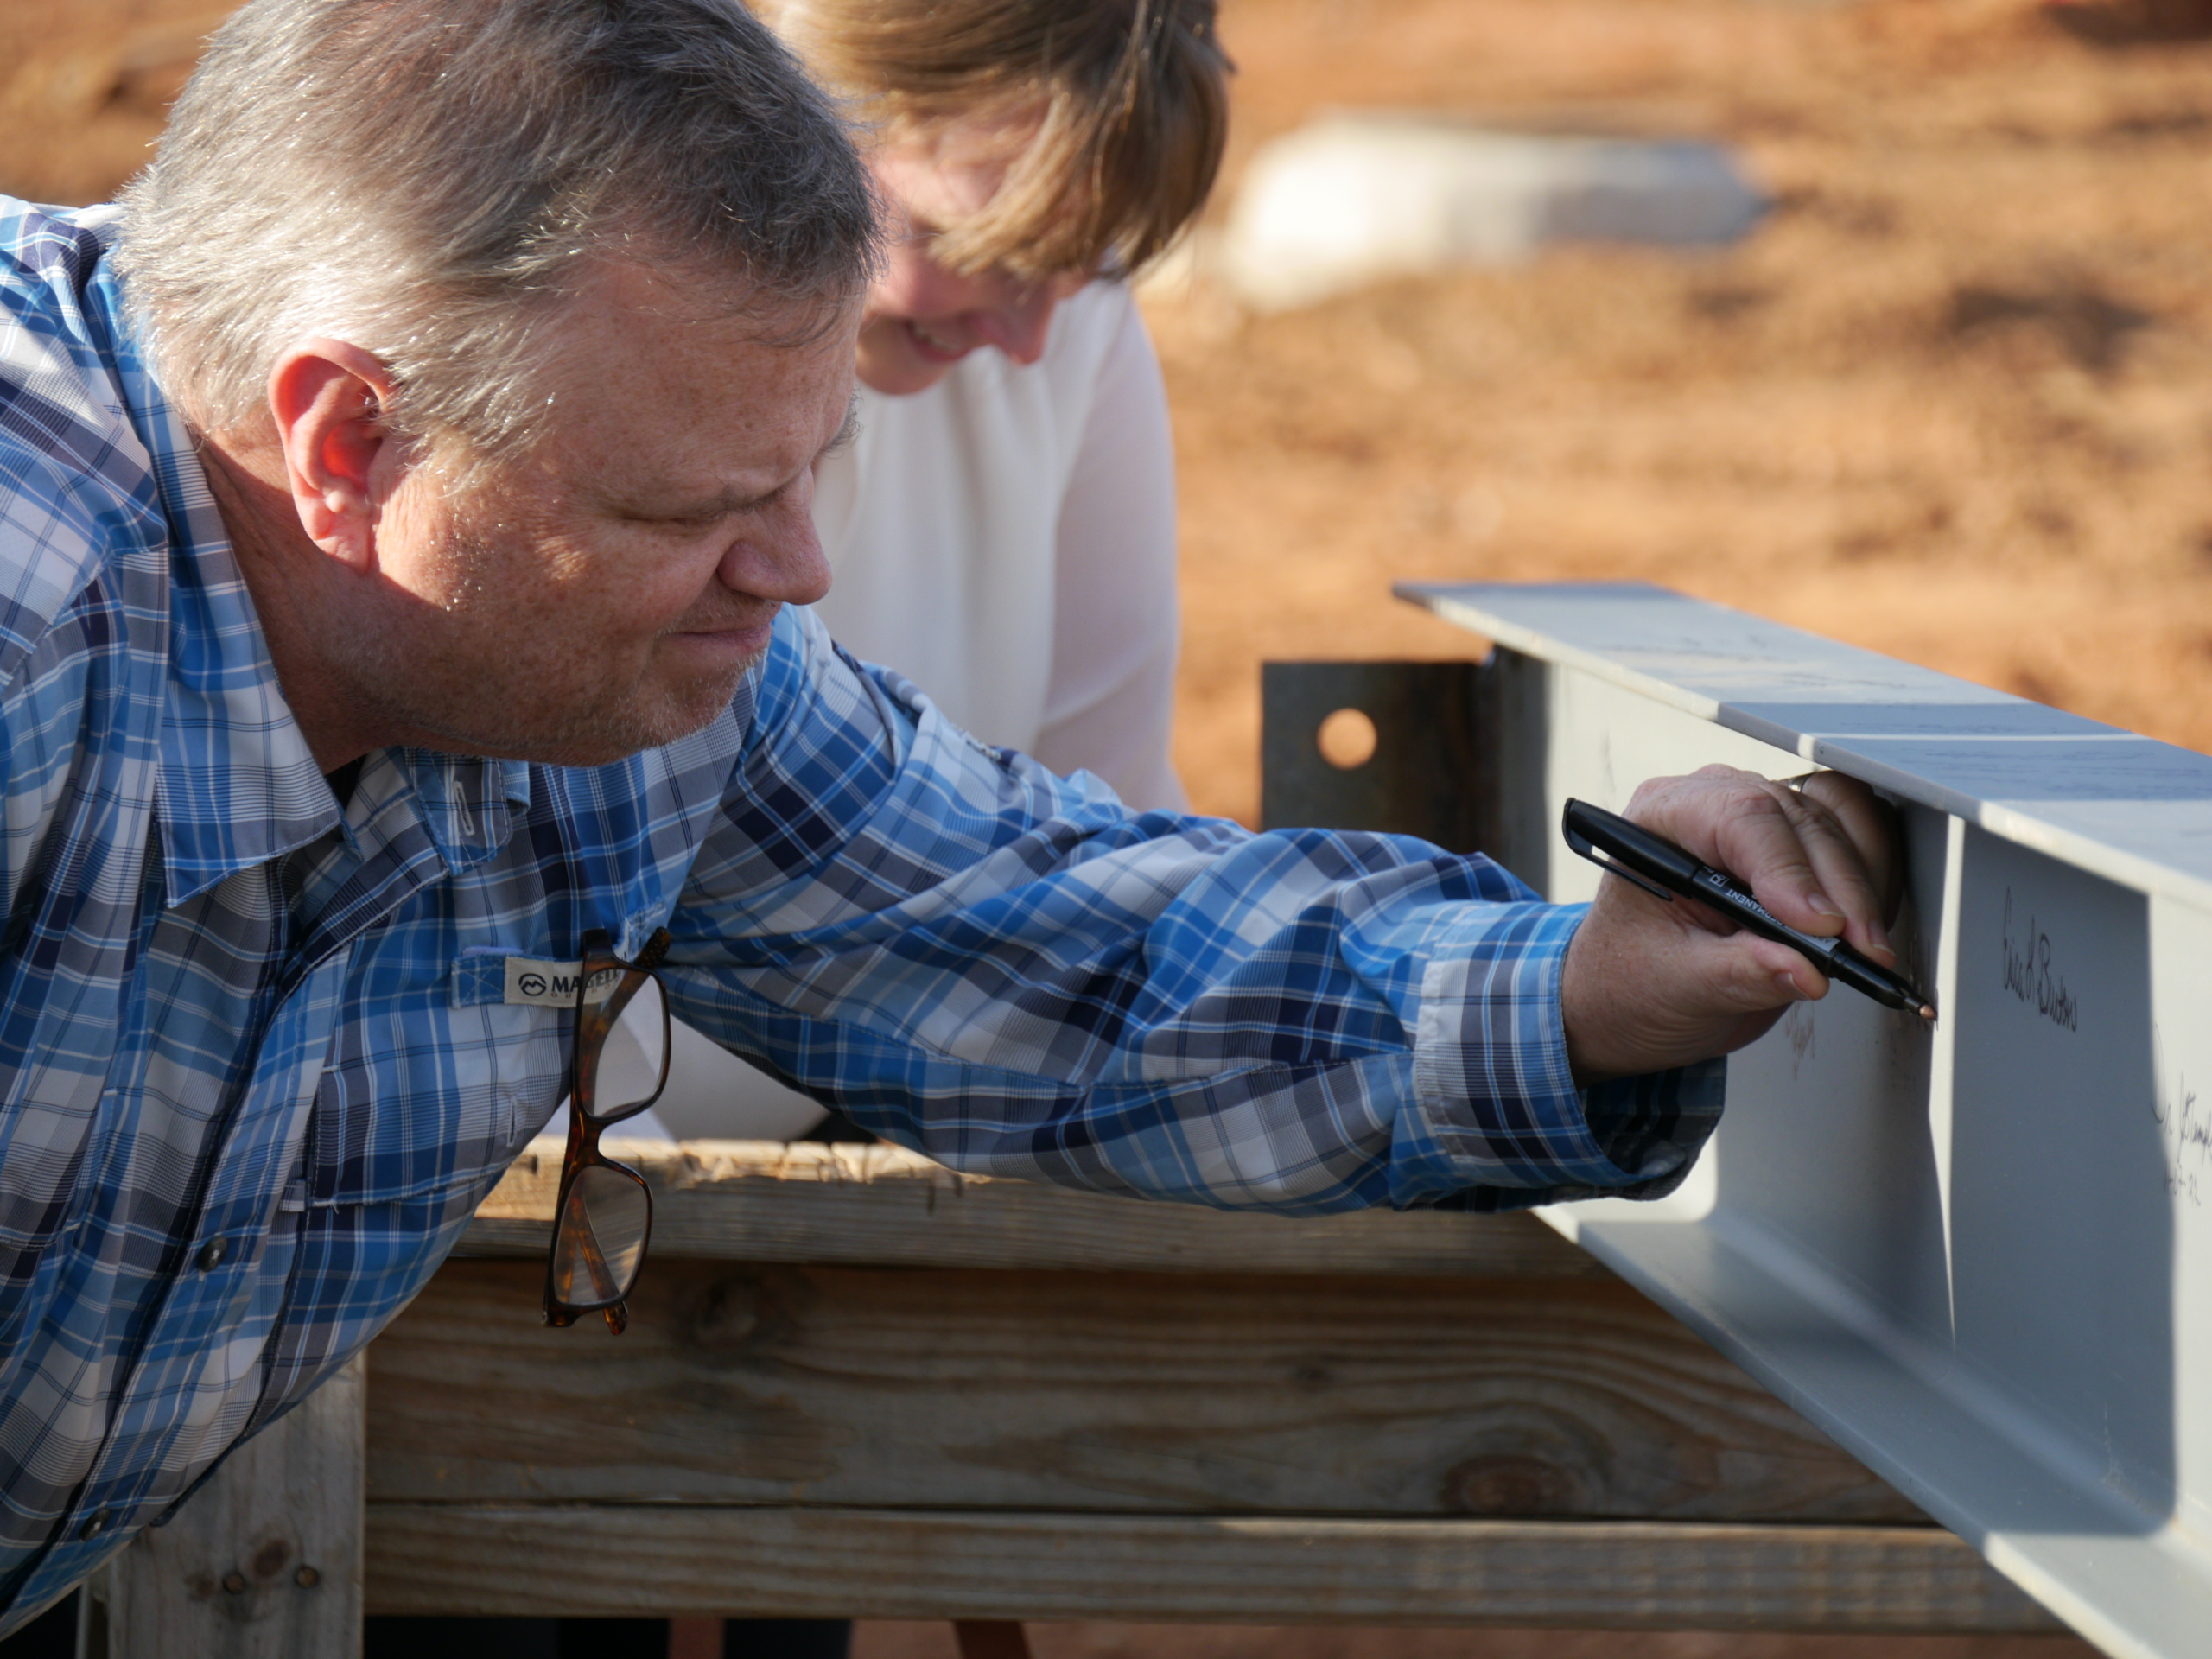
(262, 1053)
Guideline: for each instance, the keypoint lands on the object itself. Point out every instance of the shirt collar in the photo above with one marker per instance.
(238, 783)
(469, 806)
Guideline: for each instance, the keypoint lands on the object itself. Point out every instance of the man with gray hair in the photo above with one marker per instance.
(404, 499)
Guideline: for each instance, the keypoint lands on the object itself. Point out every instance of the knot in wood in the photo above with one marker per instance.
(741, 1319)
(1519, 1486)
(272, 1559)
(725, 1315)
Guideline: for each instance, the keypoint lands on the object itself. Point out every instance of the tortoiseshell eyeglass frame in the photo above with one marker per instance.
(595, 1019)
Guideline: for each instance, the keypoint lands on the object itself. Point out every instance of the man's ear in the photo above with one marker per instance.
(340, 460)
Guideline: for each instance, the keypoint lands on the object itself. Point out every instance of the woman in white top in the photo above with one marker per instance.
(1006, 538)
(1002, 531)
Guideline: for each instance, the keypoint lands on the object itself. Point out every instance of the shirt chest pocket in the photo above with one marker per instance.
(414, 1104)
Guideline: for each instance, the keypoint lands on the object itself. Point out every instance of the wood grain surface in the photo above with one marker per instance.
(610, 1559)
(765, 1201)
(262, 1562)
(873, 1386)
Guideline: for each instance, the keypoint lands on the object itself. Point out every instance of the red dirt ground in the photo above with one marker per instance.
(1951, 402)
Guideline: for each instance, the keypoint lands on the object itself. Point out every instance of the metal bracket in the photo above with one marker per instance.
(1459, 755)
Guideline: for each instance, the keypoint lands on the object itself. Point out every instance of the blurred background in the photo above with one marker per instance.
(1948, 395)
(1949, 398)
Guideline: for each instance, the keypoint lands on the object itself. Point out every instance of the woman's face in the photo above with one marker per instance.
(921, 319)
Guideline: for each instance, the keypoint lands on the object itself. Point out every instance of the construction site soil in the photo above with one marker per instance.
(1952, 401)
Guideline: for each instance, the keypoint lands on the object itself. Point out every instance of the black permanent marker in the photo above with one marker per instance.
(1659, 866)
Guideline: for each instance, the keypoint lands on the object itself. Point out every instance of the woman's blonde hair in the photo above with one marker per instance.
(1128, 100)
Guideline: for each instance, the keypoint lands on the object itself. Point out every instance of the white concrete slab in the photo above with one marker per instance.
(1352, 198)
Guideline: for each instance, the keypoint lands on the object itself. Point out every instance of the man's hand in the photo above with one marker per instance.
(1648, 985)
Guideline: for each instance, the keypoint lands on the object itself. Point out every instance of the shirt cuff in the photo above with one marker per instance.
(1498, 1120)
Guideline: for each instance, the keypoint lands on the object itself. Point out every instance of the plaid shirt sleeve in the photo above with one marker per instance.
(1013, 973)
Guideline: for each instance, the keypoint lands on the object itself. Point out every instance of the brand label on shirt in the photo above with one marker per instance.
(535, 983)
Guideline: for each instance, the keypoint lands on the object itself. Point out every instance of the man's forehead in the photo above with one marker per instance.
(708, 297)
(637, 345)
(663, 400)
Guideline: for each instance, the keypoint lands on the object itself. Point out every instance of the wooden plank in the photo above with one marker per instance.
(1386, 1395)
(799, 1562)
(765, 1201)
(265, 1560)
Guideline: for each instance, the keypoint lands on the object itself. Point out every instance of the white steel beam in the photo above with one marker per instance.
(1976, 1254)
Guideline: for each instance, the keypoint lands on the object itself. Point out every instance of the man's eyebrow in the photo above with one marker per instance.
(728, 501)
(716, 505)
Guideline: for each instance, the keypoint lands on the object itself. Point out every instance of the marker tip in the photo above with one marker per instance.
(1928, 1010)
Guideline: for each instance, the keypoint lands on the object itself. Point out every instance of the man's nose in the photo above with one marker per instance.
(783, 560)
(1018, 328)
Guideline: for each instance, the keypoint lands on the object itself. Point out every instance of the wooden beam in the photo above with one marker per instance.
(262, 1562)
(981, 1390)
(764, 1201)
(873, 1563)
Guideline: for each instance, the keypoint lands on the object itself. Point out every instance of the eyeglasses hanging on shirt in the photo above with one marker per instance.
(603, 1217)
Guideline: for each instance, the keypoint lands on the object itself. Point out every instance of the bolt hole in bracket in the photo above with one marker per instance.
(1405, 748)
(1346, 739)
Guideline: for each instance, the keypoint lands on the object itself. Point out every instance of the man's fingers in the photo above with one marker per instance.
(1849, 851)
(1739, 823)
(1648, 985)
(1793, 977)
(1872, 823)
(1756, 975)
(1805, 864)
(1841, 872)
